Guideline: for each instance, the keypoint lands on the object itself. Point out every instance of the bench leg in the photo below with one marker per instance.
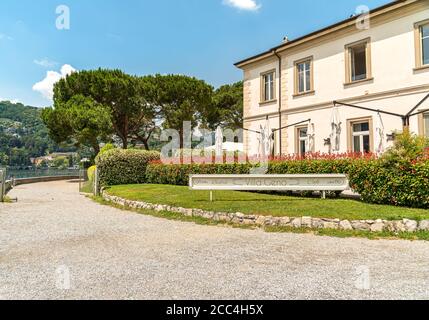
(323, 194)
(211, 196)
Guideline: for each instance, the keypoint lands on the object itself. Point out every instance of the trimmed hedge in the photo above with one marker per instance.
(178, 174)
(375, 180)
(405, 185)
(120, 166)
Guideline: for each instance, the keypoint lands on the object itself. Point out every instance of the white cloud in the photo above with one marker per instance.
(45, 62)
(248, 5)
(46, 86)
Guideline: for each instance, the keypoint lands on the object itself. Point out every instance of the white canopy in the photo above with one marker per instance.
(229, 146)
(379, 134)
(335, 130)
(268, 142)
(310, 138)
(219, 142)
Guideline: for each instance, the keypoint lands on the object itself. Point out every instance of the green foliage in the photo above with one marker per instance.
(107, 147)
(23, 135)
(157, 173)
(120, 166)
(227, 107)
(407, 148)
(61, 163)
(180, 98)
(4, 159)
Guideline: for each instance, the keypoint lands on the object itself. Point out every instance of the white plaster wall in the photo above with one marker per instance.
(253, 76)
(393, 61)
(321, 119)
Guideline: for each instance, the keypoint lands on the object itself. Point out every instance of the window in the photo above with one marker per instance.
(302, 139)
(358, 57)
(422, 44)
(425, 43)
(304, 76)
(361, 137)
(268, 86)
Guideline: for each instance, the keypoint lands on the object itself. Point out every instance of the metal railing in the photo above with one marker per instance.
(2, 184)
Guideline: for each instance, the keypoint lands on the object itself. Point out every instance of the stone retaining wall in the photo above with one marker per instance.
(404, 225)
(22, 181)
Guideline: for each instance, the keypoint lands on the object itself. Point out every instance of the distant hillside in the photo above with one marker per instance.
(23, 135)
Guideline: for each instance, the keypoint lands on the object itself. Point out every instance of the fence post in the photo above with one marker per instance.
(96, 183)
(2, 185)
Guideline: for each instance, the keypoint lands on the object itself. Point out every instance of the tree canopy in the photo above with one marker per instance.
(23, 135)
(91, 107)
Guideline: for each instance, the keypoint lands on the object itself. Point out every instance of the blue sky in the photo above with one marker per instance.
(202, 38)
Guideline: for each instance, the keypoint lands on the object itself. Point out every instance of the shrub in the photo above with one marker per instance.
(405, 185)
(107, 147)
(407, 148)
(119, 166)
(178, 174)
(60, 163)
(91, 173)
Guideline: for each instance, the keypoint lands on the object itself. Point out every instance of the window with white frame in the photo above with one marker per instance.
(303, 74)
(361, 137)
(424, 31)
(268, 86)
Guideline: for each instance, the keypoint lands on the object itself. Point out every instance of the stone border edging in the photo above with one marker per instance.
(379, 225)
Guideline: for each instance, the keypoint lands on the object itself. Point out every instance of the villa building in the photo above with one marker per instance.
(379, 61)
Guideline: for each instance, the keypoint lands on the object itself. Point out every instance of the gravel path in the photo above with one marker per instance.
(56, 244)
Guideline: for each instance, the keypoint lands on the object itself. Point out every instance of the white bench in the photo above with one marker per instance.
(269, 182)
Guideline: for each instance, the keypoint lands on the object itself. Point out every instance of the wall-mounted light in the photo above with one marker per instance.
(327, 141)
(391, 137)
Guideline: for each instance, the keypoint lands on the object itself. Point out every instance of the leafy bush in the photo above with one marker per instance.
(61, 163)
(178, 174)
(407, 148)
(119, 166)
(405, 185)
(107, 147)
(91, 173)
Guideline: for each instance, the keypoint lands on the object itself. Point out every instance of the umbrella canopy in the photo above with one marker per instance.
(261, 142)
(310, 138)
(379, 134)
(219, 142)
(335, 130)
(268, 142)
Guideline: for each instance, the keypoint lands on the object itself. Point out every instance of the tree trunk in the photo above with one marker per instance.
(146, 144)
(124, 143)
(96, 148)
(181, 139)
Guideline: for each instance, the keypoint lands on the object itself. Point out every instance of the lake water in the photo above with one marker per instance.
(40, 173)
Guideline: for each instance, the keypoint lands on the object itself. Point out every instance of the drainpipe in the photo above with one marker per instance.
(280, 99)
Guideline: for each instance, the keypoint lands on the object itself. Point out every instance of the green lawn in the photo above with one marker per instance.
(265, 204)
